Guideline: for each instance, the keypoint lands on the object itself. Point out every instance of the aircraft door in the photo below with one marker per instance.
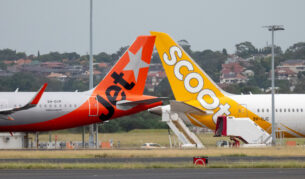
(93, 106)
(242, 110)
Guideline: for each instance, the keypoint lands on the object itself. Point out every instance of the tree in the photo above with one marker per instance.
(224, 52)
(164, 89)
(296, 51)
(245, 49)
(210, 62)
(185, 45)
(103, 57)
(260, 77)
(268, 50)
(8, 54)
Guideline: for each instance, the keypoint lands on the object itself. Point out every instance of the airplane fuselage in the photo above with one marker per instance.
(56, 110)
(289, 112)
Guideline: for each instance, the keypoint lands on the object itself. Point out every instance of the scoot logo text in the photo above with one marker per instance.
(171, 60)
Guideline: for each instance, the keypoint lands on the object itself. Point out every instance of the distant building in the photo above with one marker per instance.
(57, 76)
(233, 73)
(294, 65)
(234, 59)
(48, 68)
(23, 61)
(285, 73)
(289, 69)
(154, 76)
(102, 65)
(53, 65)
(8, 62)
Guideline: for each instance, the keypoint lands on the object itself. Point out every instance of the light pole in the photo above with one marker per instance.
(91, 126)
(273, 28)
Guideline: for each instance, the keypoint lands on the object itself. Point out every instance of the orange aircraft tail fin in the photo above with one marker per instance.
(130, 71)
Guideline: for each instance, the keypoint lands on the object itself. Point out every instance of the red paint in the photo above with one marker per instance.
(38, 96)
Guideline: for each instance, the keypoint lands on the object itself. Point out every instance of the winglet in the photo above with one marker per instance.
(38, 95)
(29, 105)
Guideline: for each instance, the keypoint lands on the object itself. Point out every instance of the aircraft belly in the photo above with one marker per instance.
(33, 116)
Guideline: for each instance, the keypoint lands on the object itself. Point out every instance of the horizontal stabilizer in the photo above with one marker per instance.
(125, 104)
(180, 106)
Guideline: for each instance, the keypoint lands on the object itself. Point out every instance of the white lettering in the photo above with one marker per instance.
(174, 54)
(187, 82)
(172, 51)
(204, 103)
(180, 64)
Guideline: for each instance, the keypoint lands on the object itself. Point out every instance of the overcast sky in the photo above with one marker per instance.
(63, 25)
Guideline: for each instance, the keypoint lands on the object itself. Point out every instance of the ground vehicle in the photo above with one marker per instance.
(151, 146)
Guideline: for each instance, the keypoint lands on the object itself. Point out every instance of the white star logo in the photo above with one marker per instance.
(135, 63)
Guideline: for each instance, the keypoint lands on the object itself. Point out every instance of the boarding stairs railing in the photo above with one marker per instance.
(175, 121)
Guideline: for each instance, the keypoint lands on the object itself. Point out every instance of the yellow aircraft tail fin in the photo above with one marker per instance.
(187, 80)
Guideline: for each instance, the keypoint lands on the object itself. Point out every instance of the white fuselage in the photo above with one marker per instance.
(51, 105)
(289, 108)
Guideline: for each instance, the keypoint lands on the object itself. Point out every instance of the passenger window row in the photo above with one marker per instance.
(281, 110)
(50, 105)
(55, 105)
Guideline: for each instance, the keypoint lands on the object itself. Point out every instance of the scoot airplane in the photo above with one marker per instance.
(194, 89)
(120, 93)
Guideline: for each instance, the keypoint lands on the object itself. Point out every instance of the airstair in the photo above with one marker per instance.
(242, 128)
(175, 121)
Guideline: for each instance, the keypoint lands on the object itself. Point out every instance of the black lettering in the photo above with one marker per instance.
(112, 99)
(118, 78)
(123, 95)
(108, 106)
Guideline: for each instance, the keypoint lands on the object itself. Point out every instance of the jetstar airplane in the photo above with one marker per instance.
(120, 93)
(202, 101)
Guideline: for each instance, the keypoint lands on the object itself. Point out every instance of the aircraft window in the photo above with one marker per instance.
(40, 105)
(60, 105)
(292, 109)
(45, 105)
(285, 110)
(55, 105)
(70, 105)
(74, 105)
(267, 110)
(301, 110)
(280, 110)
(65, 105)
(262, 110)
(257, 110)
(275, 110)
(288, 109)
(297, 110)
(50, 105)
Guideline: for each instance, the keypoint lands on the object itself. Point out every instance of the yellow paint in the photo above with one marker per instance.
(163, 44)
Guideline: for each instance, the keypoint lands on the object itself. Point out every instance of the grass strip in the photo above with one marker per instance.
(277, 164)
(268, 151)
